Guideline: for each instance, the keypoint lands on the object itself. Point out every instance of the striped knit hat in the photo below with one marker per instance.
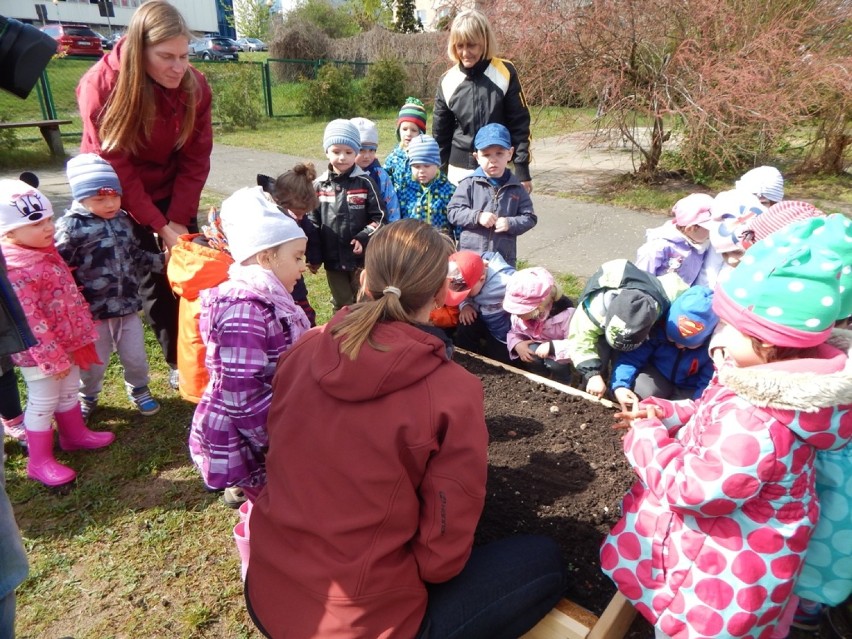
(341, 132)
(89, 175)
(412, 111)
(776, 218)
(423, 149)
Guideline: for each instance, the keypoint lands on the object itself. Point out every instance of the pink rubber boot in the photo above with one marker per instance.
(41, 464)
(241, 537)
(74, 435)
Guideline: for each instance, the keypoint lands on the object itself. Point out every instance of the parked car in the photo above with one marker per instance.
(74, 39)
(251, 44)
(214, 48)
(106, 43)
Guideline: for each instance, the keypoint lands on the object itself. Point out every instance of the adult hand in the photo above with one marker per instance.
(596, 386)
(467, 315)
(487, 219)
(168, 235)
(501, 225)
(357, 249)
(527, 184)
(626, 398)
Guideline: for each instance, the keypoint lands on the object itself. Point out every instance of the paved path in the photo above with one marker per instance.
(571, 236)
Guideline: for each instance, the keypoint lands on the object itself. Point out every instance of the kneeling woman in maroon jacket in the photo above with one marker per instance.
(376, 476)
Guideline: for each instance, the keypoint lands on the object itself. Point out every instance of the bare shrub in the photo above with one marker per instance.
(297, 40)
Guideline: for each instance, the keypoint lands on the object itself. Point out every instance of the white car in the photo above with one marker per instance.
(251, 44)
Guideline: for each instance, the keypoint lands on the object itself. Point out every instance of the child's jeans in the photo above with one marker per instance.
(344, 286)
(48, 395)
(125, 336)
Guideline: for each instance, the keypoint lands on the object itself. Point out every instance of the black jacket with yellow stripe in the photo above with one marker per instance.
(468, 99)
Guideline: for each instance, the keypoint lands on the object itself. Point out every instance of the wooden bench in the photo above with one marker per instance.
(49, 131)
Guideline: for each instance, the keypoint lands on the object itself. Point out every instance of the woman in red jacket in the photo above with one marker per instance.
(376, 476)
(147, 112)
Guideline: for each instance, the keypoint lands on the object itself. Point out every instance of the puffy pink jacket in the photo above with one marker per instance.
(57, 313)
(714, 532)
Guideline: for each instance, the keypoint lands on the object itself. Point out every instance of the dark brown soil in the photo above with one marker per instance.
(557, 471)
(560, 473)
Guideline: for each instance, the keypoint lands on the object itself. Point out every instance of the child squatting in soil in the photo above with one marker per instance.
(477, 286)
(674, 362)
(540, 315)
(63, 326)
(715, 531)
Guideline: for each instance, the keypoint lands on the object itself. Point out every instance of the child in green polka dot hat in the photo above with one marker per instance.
(719, 529)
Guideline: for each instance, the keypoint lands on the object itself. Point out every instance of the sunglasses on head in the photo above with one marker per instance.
(458, 285)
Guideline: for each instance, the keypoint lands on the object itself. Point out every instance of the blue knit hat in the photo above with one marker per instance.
(89, 175)
(424, 150)
(341, 132)
(691, 320)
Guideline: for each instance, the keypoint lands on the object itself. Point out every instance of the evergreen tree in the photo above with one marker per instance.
(406, 19)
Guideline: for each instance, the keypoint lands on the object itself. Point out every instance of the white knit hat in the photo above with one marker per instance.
(368, 130)
(764, 181)
(20, 205)
(252, 223)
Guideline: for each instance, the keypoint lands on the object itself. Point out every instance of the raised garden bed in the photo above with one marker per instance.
(557, 471)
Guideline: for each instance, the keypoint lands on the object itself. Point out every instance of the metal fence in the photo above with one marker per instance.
(277, 84)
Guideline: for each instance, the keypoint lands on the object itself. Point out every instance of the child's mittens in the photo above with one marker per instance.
(86, 356)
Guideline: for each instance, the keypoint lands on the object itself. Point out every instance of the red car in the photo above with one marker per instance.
(74, 39)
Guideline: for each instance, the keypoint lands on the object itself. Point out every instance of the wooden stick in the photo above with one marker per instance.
(538, 379)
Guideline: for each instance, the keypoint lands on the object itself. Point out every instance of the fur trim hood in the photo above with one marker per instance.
(819, 384)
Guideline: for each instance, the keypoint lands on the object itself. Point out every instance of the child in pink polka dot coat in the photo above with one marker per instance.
(714, 533)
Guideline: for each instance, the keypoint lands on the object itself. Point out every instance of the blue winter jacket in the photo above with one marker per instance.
(106, 259)
(685, 368)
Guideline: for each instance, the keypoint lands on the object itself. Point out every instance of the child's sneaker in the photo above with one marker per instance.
(141, 398)
(14, 428)
(233, 497)
(87, 406)
(808, 615)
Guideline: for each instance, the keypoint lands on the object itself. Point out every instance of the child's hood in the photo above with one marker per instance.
(670, 233)
(408, 355)
(813, 396)
(18, 256)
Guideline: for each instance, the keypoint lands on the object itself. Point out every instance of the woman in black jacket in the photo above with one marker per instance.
(478, 90)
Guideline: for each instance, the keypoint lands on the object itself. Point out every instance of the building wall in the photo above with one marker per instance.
(199, 14)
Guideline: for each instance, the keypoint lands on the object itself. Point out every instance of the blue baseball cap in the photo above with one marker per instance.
(492, 135)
